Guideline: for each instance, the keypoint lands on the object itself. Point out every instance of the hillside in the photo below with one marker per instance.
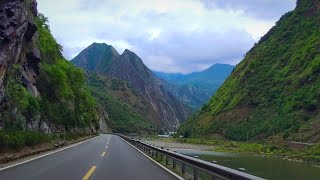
(275, 89)
(41, 93)
(196, 89)
(39, 89)
(126, 112)
(105, 60)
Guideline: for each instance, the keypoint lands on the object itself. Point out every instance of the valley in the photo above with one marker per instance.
(164, 98)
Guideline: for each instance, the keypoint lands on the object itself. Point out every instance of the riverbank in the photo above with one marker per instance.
(308, 154)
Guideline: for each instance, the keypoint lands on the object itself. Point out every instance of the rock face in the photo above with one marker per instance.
(17, 47)
(104, 59)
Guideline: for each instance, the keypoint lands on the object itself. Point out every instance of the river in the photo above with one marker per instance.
(266, 167)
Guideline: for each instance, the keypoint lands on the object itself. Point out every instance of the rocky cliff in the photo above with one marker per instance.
(17, 43)
(104, 59)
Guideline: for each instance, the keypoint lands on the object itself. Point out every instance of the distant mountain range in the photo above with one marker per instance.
(160, 105)
(195, 89)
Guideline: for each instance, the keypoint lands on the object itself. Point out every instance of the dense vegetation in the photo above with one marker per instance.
(275, 90)
(19, 139)
(64, 97)
(64, 101)
(122, 117)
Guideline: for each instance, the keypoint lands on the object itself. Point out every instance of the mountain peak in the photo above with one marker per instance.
(131, 56)
(128, 52)
(103, 46)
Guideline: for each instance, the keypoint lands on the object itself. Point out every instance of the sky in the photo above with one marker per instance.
(174, 36)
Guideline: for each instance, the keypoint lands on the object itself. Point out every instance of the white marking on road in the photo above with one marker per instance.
(50, 153)
(163, 167)
(106, 147)
(108, 140)
(103, 154)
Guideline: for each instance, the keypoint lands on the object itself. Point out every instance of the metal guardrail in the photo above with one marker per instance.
(216, 172)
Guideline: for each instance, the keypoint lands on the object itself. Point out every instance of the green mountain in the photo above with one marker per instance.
(125, 111)
(161, 106)
(275, 89)
(39, 89)
(196, 89)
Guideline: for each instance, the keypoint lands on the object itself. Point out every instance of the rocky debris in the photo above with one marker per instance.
(39, 126)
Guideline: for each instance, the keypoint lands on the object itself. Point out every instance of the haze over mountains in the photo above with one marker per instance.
(195, 89)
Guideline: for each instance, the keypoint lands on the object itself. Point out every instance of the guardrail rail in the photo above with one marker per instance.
(197, 166)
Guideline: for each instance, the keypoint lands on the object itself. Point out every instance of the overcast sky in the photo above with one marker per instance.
(169, 35)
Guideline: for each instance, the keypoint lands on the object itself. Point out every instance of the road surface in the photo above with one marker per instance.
(106, 157)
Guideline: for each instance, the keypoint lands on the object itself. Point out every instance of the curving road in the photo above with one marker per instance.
(106, 157)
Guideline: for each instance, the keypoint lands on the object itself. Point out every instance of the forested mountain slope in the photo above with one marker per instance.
(275, 89)
(126, 111)
(103, 59)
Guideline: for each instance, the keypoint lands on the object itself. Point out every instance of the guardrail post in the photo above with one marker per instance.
(174, 163)
(195, 174)
(183, 168)
(156, 155)
(167, 160)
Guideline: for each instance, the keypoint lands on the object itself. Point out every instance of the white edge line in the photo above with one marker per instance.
(162, 166)
(47, 154)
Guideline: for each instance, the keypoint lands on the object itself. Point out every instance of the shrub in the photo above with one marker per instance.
(19, 139)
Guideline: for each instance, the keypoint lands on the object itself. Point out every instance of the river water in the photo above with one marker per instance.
(265, 167)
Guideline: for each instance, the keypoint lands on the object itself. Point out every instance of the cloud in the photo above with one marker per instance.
(261, 9)
(169, 35)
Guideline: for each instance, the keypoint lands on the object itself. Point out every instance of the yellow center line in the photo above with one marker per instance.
(90, 172)
(103, 154)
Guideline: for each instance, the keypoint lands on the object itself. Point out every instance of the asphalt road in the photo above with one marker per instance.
(107, 157)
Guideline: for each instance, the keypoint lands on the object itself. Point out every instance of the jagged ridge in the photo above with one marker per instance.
(104, 59)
